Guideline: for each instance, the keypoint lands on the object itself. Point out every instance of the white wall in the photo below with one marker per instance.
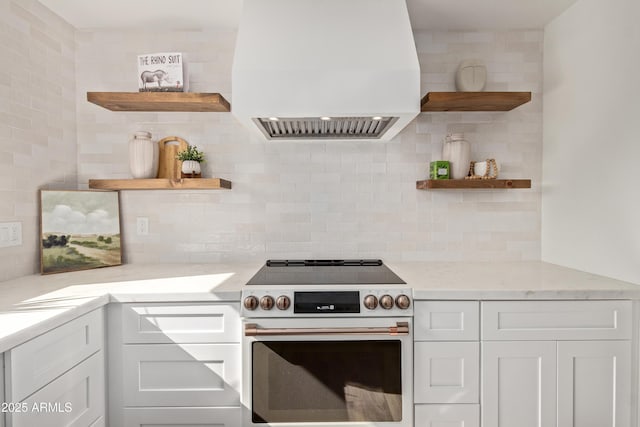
(591, 154)
(37, 121)
(319, 199)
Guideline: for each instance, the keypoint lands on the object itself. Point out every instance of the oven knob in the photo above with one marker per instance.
(386, 302)
(370, 302)
(283, 302)
(251, 303)
(403, 302)
(266, 302)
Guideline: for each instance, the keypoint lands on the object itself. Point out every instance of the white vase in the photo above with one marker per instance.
(457, 151)
(143, 155)
(191, 167)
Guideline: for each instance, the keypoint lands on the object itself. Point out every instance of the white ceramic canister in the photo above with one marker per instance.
(457, 151)
(143, 155)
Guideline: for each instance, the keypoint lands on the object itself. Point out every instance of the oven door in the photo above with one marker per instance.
(332, 371)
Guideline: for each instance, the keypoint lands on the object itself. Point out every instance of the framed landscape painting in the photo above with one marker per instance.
(79, 230)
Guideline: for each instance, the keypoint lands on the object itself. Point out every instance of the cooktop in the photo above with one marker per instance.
(325, 272)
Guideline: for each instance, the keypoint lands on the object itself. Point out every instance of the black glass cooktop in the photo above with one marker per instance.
(325, 272)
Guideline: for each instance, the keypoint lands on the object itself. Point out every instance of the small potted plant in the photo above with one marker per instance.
(191, 159)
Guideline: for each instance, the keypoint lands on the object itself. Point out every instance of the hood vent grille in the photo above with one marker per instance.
(325, 128)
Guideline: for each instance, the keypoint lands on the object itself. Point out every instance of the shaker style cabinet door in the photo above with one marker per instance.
(446, 372)
(77, 398)
(446, 320)
(181, 375)
(519, 384)
(168, 323)
(594, 383)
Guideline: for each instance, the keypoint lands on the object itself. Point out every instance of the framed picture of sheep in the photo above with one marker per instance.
(79, 230)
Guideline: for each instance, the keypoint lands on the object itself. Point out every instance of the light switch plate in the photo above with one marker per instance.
(10, 234)
(142, 226)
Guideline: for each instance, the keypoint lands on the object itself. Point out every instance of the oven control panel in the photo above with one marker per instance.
(364, 302)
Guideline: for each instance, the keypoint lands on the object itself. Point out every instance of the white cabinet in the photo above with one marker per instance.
(446, 320)
(594, 383)
(182, 375)
(518, 384)
(58, 378)
(577, 374)
(181, 417)
(174, 364)
(446, 372)
(38, 361)
(446, 380)
(75, 399)
(447, 416)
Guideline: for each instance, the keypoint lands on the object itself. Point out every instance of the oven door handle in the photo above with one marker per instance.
(401, 328)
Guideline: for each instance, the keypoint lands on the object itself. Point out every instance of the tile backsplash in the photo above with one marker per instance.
(317, 199)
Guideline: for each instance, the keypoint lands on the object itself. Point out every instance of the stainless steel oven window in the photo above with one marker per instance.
(327, 381)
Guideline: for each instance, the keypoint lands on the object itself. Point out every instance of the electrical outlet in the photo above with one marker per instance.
(142, 226)
(10, 234)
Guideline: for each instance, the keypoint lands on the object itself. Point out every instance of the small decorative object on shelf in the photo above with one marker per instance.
(471, 76)
(439, 169)
(191, 159)
(143, 155)
(483, 170)
(161, 72)
(456, 150)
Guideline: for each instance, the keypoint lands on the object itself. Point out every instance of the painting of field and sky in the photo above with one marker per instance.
(80, 230)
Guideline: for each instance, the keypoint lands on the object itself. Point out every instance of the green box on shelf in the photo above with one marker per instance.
(439, 169)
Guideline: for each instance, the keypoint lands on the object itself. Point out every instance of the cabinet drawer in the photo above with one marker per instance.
(181, 375)
(446, 372)
(556, 320)
(446, 320)
(180, 323)
(38, 361)
(182, 417)
(75, 399)
(447, 415)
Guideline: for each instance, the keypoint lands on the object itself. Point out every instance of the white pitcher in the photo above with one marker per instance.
(457, 151)
(143, 155)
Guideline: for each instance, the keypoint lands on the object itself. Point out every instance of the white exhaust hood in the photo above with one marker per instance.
(325, 69)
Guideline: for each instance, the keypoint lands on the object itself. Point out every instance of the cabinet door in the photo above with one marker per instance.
(447, 416)
(446, 320)
(75, 399)
(519, 384)
(556, 320)
(446, 372)
(164, 323)
(181, 375)
(38, 361)
(594, 383)
(182, 417)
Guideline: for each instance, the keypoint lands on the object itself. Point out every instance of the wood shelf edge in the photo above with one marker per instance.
(160, 184)
(462, 184)
(160, 101)
(473, 101)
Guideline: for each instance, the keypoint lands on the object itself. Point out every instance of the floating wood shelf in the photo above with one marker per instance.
(160, 101)
(473, 101)
(432, 184)
(160, 184)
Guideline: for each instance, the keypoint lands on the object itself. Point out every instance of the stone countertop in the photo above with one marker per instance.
(32, 305)
(508, 280)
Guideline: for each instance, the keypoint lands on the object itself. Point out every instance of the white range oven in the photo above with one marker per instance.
(327, 343)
